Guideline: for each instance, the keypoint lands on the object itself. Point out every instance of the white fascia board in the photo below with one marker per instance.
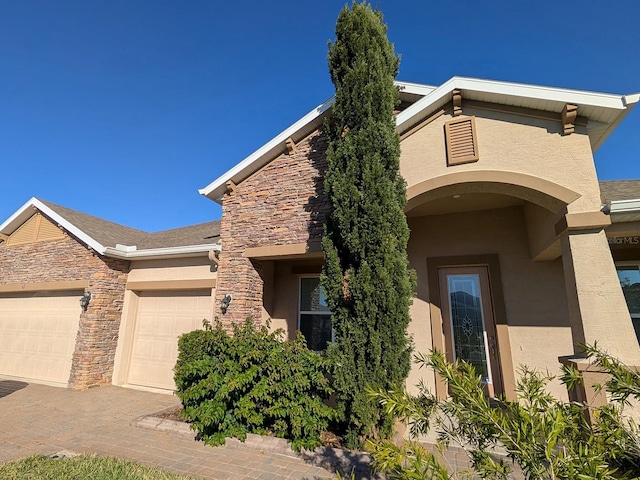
(563, 95)
(215, 189)
(245, 165)
(415, 88)
(431, 98)
(25, 212)
(631, 99)
(595, 99)
(167, 252)
(625, 206)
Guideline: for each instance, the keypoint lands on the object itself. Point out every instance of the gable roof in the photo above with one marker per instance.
(603, 111)
(115, 240)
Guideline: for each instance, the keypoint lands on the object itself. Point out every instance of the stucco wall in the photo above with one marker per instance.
(198, 268)
(510, 143)
(534, 293)
(64, 260)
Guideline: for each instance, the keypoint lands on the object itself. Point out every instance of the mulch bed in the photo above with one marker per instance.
(175, 415)
(329, 439)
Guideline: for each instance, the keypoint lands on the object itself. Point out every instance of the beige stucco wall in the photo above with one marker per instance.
(535, 300)
(198, 268)
(507, 142)
(282, 309)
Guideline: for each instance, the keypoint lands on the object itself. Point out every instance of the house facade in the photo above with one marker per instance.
(511, 238)
(520, 251)
(140, 290)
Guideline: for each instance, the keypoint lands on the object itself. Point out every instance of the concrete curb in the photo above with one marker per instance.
(331, 459)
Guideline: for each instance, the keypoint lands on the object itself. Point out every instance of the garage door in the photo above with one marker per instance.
(161, 318)
(38, 335)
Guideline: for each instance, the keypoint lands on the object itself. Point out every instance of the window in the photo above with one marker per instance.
(314, 318)
(629, 276)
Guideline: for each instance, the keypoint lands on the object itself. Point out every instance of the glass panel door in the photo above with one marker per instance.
(468, 322)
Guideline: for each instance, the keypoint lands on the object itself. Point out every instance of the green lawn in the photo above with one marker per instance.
(82, 467)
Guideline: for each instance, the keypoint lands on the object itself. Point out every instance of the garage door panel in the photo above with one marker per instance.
(37, 335)
(161, 318)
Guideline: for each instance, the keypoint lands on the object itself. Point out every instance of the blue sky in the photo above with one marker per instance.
(124, 108)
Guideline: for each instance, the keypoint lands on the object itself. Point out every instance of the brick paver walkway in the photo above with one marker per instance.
(45, 420)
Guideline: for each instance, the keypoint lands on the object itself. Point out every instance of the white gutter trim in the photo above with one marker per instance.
(595, 99)
(22, 214)
(431, 96)
(280, 138)
(165, 252)
(406, 87)
(631, 99)
(625, 206)
(564, 95)
(415, 88)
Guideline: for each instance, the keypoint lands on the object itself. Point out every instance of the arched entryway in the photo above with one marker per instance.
(490, 274)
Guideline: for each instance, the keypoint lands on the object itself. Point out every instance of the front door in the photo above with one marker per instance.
(469, 322)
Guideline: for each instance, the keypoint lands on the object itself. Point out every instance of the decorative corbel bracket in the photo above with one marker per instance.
(456, 97)
(231, 186)
(568, 118)
(291, 146)
(4, 237)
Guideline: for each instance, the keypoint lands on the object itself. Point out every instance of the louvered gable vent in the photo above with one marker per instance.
(462, 144)
(37, 228)
(48, 230)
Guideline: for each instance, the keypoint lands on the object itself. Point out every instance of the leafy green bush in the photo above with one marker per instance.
(545, 437)
(252, 382)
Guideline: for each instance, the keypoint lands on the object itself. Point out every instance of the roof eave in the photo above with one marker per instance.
(629, 102)
(165, 252)
(25, 212)
(216, 189)
(433, 97)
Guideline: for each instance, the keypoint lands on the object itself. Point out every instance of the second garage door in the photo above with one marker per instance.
(38, 335)
(161, 318)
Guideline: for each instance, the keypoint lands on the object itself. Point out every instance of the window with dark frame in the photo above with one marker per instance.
(314, 317)
(629, 276)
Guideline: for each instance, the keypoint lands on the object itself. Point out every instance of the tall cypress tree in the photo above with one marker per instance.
(365, 278)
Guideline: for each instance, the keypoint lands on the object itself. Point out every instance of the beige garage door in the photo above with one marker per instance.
(161, 318)
(38, 335)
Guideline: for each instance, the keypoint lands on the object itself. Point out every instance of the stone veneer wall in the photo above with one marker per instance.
(67, 259)
(281, 204)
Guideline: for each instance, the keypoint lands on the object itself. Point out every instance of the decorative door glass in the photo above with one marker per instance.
(467, 323)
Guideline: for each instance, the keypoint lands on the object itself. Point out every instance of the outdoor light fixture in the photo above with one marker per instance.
(84, 301)
(224, 303)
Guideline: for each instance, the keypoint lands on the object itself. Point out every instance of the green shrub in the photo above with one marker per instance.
(252, 382)
(545, 437)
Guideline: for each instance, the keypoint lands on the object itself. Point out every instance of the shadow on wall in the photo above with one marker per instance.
(318, 204)
(7, 387)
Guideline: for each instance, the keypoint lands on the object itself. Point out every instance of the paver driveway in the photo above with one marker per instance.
(40, 419)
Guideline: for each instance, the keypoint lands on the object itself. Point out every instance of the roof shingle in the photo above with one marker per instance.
(109, 233)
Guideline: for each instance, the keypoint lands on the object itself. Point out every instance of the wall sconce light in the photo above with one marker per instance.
(224, 303)
(84, 301)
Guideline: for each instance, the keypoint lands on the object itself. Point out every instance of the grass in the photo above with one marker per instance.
(82, 467)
